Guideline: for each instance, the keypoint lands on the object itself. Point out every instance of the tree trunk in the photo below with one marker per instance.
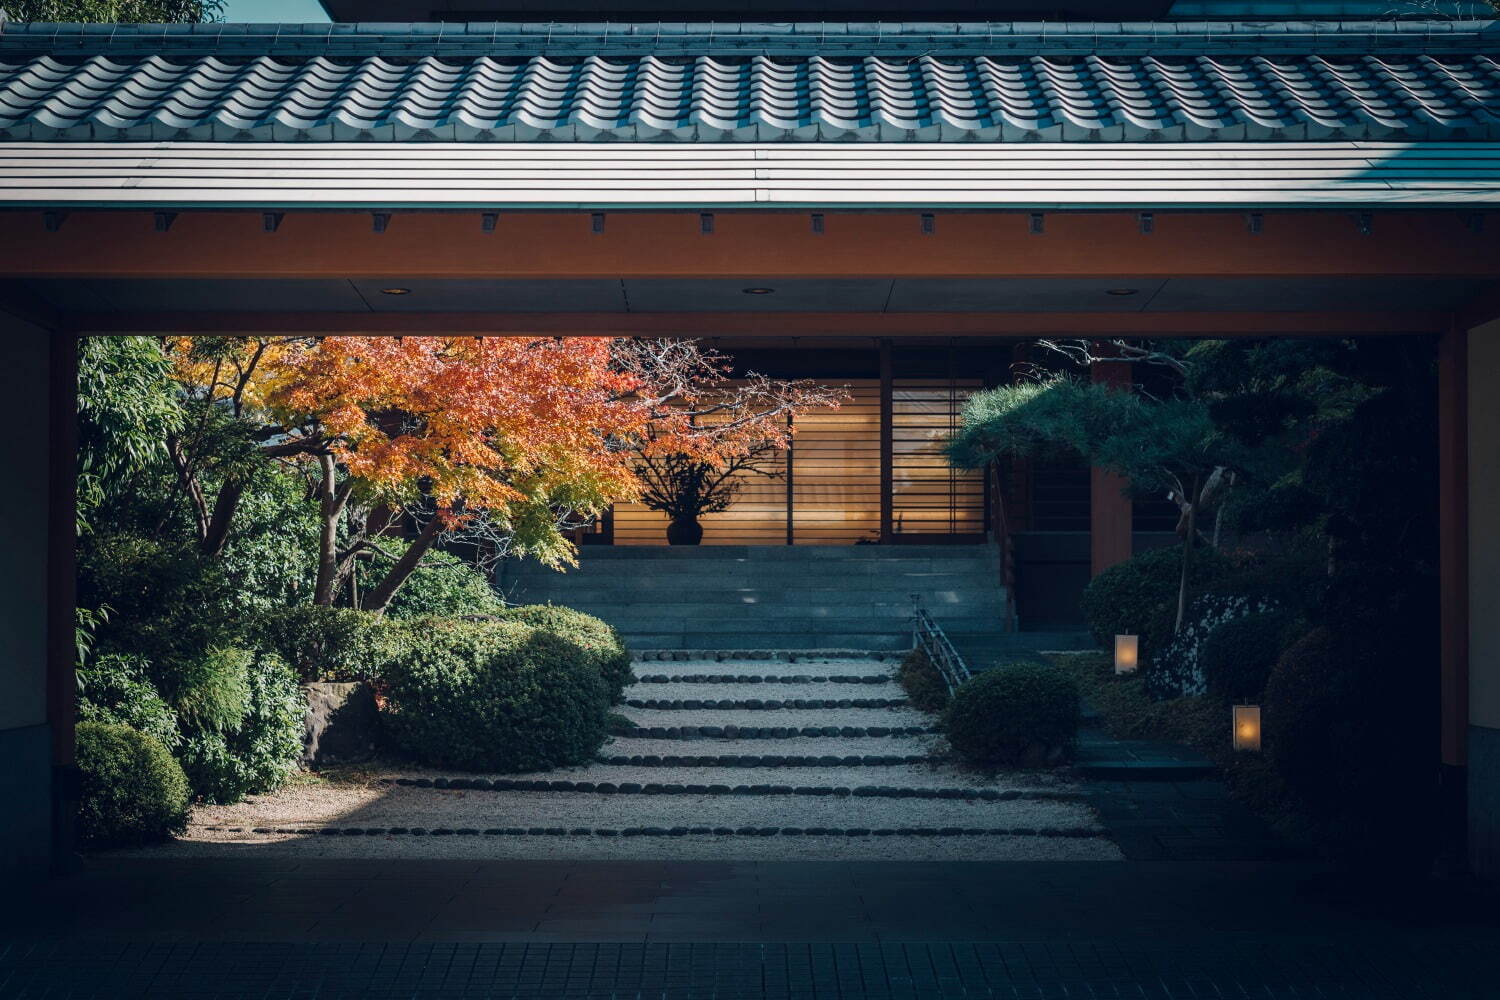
(1187, 555)
(216, 536)
(329, 509)
(379, 598)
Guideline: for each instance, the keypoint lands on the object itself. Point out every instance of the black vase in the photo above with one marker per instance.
(684, 531)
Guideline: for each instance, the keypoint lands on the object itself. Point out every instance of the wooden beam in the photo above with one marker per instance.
(756, 324)
(61, 573)
(887, 445)
(1111, 512)
(1453, 540)
(767, 245)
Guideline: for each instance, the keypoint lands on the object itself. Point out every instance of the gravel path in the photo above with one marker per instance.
(709, 807)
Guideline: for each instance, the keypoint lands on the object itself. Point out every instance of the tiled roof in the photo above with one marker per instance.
(1417, 81)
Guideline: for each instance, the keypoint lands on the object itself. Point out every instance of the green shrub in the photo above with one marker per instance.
(442, 584)
(114, 688)
(1175, 670)
(1139, 595)
(211, 692)
(923, 683)
(332, 644)
(262, 750)
(598, 639)
(133, 791)
(1237, 657)
(1012, 714)
(495, 696)
(1344, 730)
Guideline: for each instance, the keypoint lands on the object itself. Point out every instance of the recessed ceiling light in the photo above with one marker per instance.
(1120, 291)
(759, 291)
(395, 291)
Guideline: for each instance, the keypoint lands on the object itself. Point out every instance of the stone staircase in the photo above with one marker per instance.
(726, 597)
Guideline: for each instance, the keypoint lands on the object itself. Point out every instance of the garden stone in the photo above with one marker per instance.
(341, 723)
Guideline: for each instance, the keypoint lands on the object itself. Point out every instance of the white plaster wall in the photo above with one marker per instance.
(1484, 525)
(23, 526)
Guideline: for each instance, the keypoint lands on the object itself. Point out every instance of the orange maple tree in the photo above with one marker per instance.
(512, 439)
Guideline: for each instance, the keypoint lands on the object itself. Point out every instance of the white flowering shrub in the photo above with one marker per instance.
(1175, 671)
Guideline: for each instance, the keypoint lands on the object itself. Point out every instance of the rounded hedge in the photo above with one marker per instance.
(1237, 657)
(495, 696)
(1015, 713)
(332, 644)
(598, 639)
(923, 683)
(114, 688)
(133, 792)
(1139, 595)
(442, 584)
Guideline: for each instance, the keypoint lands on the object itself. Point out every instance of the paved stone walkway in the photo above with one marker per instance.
(735, 756)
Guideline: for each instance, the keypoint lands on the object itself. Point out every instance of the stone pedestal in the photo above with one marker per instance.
(342, 723)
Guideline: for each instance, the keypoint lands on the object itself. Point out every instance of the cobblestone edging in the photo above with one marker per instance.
(768, 704)
(678, 788)
(771, 732)
(675, 831)
(771, 760)
(776, 655)
(764, 679)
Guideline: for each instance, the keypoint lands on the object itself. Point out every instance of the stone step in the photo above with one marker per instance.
(759, 704)
(693, 788)
(736, 691)
(854, 834)
(737, 760)
(768, 659)
(728, 678)
(648, 614)
(812, 639)
(764, 723)
(731, 734)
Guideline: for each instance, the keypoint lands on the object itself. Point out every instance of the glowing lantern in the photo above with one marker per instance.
(1247, 727)
(1127, 653)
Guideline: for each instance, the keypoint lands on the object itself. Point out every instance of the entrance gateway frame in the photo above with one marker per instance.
(142, 231)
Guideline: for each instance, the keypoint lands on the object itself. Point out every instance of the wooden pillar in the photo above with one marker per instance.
(791, 507)
(1110, 510)
(887, 446)
(61, 571)
(1453, 583)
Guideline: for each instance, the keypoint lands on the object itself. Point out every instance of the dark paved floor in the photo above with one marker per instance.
(260, 928)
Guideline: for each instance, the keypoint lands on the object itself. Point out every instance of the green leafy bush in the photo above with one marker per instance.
(924, 685)
(1015, 713)
(211, 692)
(442, 584)
(332, 644)
(1343, 731)
(114, 688)
(495, 696)
(1139, 595)
(262, 749)
(133, 791)
(601, 644)
(1237, 657)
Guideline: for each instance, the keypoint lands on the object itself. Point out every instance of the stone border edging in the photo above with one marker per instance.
(676, 788)
(1076, 833)
(758, 704)
(772, 732)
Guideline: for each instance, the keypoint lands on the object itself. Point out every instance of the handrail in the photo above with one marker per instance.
(1000, 535)
(929, 637)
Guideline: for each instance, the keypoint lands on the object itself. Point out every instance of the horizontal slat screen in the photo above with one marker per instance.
(929, 496)
(835, 476)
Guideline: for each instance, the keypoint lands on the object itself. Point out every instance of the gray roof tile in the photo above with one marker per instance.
(697, 83)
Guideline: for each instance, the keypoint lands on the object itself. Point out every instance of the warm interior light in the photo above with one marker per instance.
(1120, 291)
(1127, 653)
(759, 291)
(395, 291)
(1247, 727)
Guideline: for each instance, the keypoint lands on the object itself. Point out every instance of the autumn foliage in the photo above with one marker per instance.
(512, 438)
